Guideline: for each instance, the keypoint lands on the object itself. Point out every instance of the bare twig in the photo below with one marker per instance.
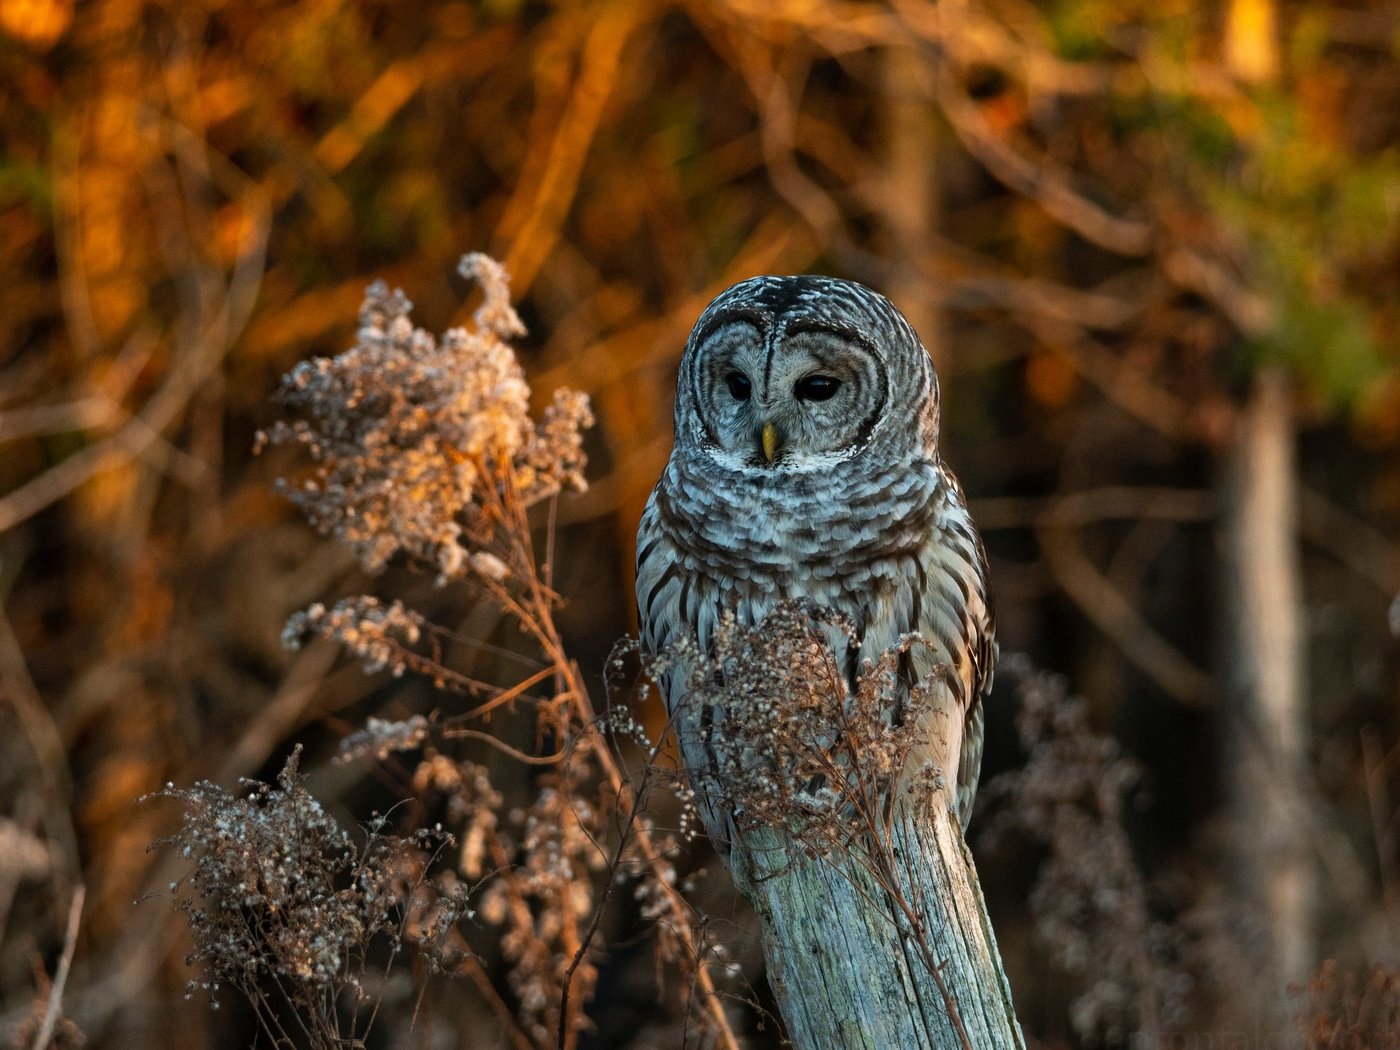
(46, 741)
(216, 334)
(1039, 179)
(1107, 503)
(60, 977)
(1361, 547)
(1120, 620)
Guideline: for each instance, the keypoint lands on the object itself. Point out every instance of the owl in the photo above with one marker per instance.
(806, 466)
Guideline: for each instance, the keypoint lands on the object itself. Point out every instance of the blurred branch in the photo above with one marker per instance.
(1015, 40)
(534, 217)
(1120, 620)
(128, 443)
(1267, 697)
(395, 87)
(1099, 504)
(47, 743)
(1038, 178)
(775, 70)
(85, 414)
(128, 966)
(908, 190)
(1093, 308)
(60, 977)
(388, 94)
(778, 93)
(1250, 312)
(211, 328)
(1128, 387)
(1361, 547)
(839, 27)
(1374, 763)
(282, 715)
(72, 281)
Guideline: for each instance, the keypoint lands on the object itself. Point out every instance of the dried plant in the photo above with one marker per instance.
(411, 433)
(1350, 1010)
(423, 448)
(65, 1035)
(45, 1027)
(1090, 903)
(792, 745)
(285, 907)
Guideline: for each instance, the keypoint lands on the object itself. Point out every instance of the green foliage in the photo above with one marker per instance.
(1312, 217)
(1327, 343)
(1265, 176)
(26, 183)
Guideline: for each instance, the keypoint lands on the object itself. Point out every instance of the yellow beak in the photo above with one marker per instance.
(770, 441)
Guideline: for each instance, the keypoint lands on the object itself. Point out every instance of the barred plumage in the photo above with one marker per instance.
(806, 465)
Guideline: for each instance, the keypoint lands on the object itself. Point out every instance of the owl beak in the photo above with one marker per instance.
(768, 438)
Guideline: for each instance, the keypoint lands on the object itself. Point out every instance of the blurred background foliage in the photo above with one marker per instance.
(1108, 219)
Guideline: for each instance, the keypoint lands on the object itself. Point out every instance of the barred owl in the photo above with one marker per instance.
(806, 466)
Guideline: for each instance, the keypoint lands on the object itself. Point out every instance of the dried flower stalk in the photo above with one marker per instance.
(284, 906)
(423, 449)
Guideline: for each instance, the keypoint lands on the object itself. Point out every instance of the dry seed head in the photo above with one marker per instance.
(379, 634)
(405, 428)
(791, 743)
(278, 890)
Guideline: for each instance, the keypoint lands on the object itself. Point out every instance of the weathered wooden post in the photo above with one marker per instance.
(830, 805)
(854, 966)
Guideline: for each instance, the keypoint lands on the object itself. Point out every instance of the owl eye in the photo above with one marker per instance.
(739, 385)
(816, 388)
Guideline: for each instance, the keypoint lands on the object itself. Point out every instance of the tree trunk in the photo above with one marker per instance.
(1267, 719)
(1266, 713)
(891, 952)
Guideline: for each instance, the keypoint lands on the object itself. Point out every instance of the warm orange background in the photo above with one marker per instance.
(1107, 219)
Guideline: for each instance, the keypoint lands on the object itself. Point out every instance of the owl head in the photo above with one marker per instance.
(800, 374)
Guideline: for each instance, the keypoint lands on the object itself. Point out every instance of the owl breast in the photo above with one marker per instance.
(887, 551)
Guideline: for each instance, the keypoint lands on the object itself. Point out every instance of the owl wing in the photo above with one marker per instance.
(674, 598)
(949, 606)
(675, 602)
(657, 579)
